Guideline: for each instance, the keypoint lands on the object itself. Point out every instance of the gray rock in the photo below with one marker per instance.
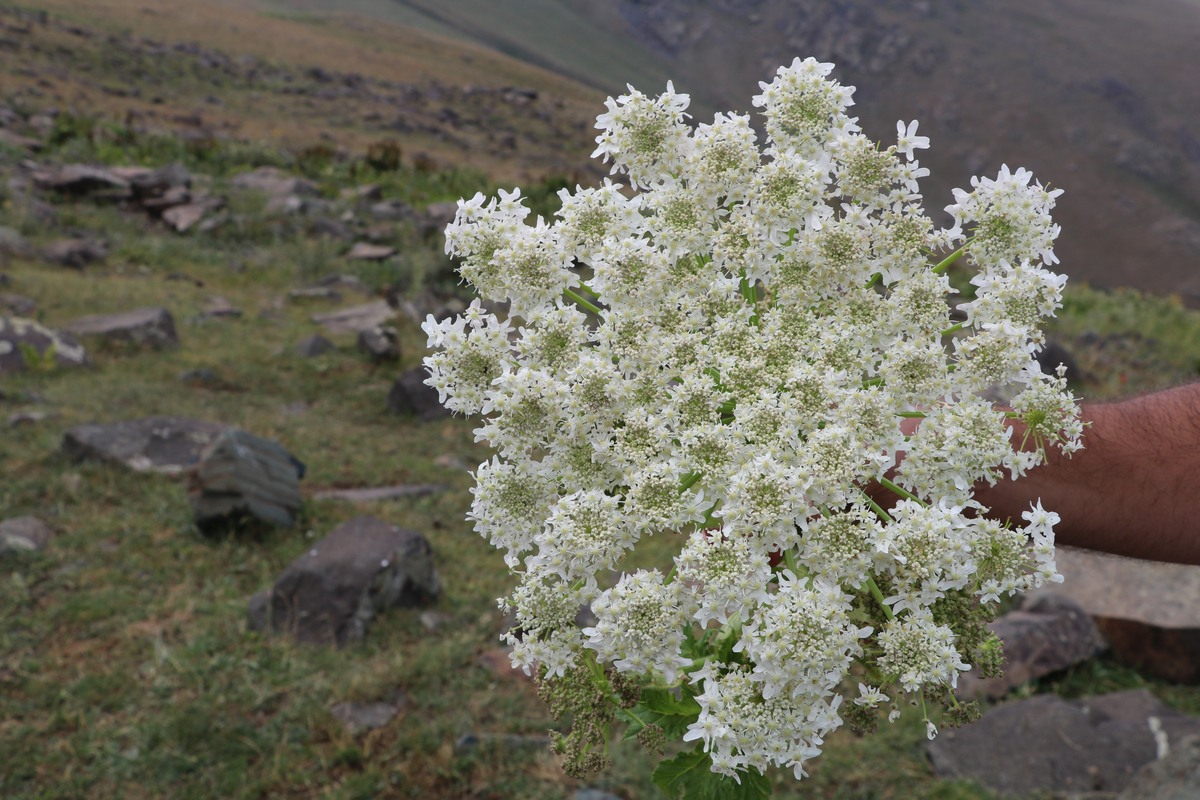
(327, 293)
(17, 141)
(12, 242)
(161, 188)
(362, 568)
(360, 717)
(1145, 609)
(19, 338)
(410, 396)
(217, 307)
(1046, 634)
(21, 418)
(24, 534)
(510, 742)
(313, 346)
(273, 182)
(168, 445)
(77, 253)
(377, 493)
(593, 794)
(393, 211)
(365, 251)
(356, 318)
(17, 305)
(379, 344)
(81, 179)
(186, 215)
(242, 478)
(1047, 744)
(141, 327)
(1175, 776)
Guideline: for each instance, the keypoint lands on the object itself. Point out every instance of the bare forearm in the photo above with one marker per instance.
(1135, 487)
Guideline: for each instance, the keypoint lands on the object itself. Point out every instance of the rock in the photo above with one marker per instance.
(141, 327)
(355, 318)
(510, 742)
(334, 229)
(218, 307)
(360, 717)
(161, 188)
(244, 478)
(168, 445)
(21, 338)
(1174, 776)
(273, 182)
(376, 493)
(410, 395)
(362, 568)
(365, 251)
(313, 346)
(12, 242)
(349, 283)
(379, 344)
(20, 418)
(184, 216)
(439, 215)
(1145, 609)
(593, 794)
(19, 142)
(24, 534)
(17, 305)
(393, 211)
(81, 179)
(370, 191)
(327, 293)
(77, 253)
(1046, 634)
(1047, 744)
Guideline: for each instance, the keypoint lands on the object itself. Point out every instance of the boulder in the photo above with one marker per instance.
(362, 568)
(1047, 744)
(313, 346)
(1174, 776)
(1044, 635)
(355, 318)
(184, 216)
(18, 142)
(273, 182)
(1145, 609)
(217, 307)
(21, 338)
(79, 179)
(17, 305)
(161, 188)
(241, 478)
(379, 343)
(410, 396)
(141, 327)
(76, 253)
(24, 534)
(167, 445)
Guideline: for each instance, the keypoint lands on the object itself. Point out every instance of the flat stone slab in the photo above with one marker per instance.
(77, 253)
(1046, 634)
(1147, 610)
(364, 567)
(21, 337)
(24, 534)
(1174, 776)
(360, 717)
(356, 318)
(365, 251)
(376, 493)
(273, 182)
(141, 327)
(81, 179)
(166, 445)
(241, 478)
(1047, 744)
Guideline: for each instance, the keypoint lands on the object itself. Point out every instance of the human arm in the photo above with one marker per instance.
(1133, 490)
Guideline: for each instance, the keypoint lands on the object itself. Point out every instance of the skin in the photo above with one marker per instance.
(1131, 491)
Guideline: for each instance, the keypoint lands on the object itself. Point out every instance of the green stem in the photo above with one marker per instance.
(953, 329)
(879, 512)
(907, 495)
(584, 304)
(912, 414)
(872, 382)
(878, 595)
(945, 263)
(690, 480)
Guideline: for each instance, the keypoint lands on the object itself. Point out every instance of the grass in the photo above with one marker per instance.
(126, 670)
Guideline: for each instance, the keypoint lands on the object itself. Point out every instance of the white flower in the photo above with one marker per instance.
(639, 625)
(645, 138)
(907, 139)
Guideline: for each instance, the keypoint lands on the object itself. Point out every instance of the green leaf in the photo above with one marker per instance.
(664, 701)
(689, 776)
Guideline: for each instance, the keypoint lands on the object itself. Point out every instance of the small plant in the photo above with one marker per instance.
(757, 329)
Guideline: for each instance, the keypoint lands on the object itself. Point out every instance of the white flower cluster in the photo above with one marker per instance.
(725, 350)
